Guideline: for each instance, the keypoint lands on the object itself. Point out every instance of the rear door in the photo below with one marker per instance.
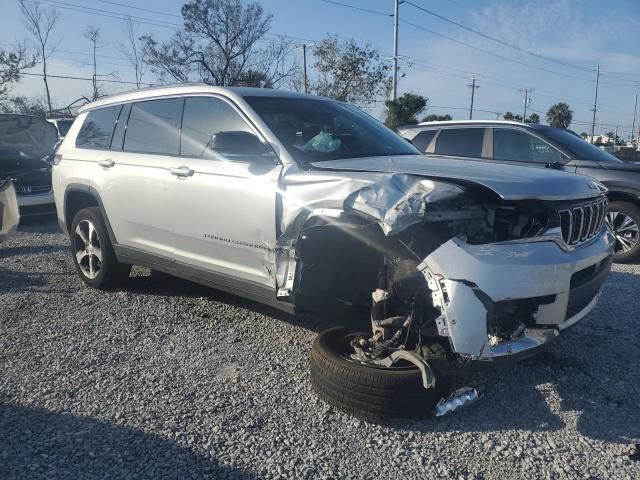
(224, 195)
(462, 142)
(134, 174)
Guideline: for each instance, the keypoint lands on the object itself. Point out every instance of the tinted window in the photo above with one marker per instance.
(315, 130)
(462, 142)
(578, 148)
(519, 146)
(97, 128)
(63, 126)
(207, 124)
(423, 139)
(153, 127)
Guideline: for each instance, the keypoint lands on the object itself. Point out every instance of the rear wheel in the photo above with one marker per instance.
(623, 218)
(92, 251)
(372, 393)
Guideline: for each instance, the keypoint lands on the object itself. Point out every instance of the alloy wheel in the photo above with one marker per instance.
(87, 249)
(625, 230)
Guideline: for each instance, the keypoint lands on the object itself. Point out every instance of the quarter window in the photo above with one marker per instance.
(422, 140)
(209, 129)
(461, 142)
(97, 128)
(153, 127)
(519, 146)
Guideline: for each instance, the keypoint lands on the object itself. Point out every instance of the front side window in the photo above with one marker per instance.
(153, 127)
(315, 129)
(460, 142)
(212, 128)
(97, 128)
(516, 145)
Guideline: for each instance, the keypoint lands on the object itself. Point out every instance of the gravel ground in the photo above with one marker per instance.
(166, 379)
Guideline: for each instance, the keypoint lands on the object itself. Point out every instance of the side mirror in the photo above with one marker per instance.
(238, 143)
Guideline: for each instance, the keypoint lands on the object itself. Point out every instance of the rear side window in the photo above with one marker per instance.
(519, 146)
(205, 118)
(153, 127)
(97, 128)
(462, 142)
(423, 139)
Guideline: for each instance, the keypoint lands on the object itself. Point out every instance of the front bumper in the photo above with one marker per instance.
(539, 287)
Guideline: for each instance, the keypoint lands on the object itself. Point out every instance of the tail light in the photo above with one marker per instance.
(57, 158)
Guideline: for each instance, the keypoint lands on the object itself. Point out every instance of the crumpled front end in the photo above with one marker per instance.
(498, 300)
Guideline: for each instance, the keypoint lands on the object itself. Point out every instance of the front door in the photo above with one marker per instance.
(223, 193)
(517, 147)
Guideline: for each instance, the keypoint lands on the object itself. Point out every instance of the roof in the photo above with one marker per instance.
(470, 122)
(190, 88)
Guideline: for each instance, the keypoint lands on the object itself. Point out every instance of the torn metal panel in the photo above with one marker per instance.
(399, 201)
(467, 280)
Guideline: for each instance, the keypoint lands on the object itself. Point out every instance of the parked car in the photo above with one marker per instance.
(62, 125)
(9, 213)
(307, 204)
(543, 146)
(26, 155)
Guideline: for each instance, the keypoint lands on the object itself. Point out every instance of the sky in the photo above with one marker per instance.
(549, 47)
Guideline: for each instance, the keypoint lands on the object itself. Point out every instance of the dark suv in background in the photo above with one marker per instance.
(542, 146)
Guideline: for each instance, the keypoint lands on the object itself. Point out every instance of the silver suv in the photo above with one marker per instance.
(305, 203)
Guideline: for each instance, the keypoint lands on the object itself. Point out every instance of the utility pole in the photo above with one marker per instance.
(595, 105)
(526, 104)
(473, 92)
(304, 67)
(394, 92)
(635, 109)
(615, 139)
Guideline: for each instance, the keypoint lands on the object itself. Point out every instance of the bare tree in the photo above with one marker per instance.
(12, 62)
(133, 49)
(94, 35)
(41, 21)
(349, 72)
(218, 45)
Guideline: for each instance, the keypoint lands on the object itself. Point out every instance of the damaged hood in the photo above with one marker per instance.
(510, 182)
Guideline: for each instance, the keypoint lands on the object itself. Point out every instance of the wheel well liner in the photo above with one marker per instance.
(77, 197)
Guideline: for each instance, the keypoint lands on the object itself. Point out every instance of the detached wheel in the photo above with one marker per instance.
(623, 218)
(376, 394)
(92, 251)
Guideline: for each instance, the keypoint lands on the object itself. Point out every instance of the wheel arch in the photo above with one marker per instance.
(77, 197)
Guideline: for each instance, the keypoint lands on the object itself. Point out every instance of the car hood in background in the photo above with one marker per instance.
(622, 166)
(25, 141)
(510, 182)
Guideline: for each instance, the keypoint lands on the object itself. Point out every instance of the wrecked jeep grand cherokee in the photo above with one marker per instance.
(305, 204)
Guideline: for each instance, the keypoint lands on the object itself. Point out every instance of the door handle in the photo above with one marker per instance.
(106, 163)
(181, 171)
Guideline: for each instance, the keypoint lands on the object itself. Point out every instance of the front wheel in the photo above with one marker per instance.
(376, 394)
(92, 251)
(623, 218)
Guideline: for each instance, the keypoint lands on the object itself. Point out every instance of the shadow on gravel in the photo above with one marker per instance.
(38, 444)
(39, 224)
(20, 280)
(6, 252)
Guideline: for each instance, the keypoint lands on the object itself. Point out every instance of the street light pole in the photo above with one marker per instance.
(394, 92)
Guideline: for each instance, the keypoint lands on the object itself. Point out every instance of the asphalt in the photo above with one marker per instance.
(166, 379)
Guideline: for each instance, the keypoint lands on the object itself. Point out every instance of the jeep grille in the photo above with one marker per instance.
(582, 222)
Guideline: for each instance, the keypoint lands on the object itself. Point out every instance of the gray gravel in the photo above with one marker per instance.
(166, 379)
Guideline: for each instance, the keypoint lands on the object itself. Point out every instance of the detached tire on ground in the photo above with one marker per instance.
(375, 394)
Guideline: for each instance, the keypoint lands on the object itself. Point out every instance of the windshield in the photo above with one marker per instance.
(25, 138)
(315, 130)
(579, 149)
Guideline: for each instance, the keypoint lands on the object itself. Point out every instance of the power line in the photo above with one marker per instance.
(362, 9)
(141, 9)
(497, 40)
(68, 77)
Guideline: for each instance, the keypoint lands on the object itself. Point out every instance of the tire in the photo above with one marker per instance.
(374, 394)
(92, 251)
(627, 247)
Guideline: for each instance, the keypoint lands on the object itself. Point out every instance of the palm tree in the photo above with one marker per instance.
(559, 115)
